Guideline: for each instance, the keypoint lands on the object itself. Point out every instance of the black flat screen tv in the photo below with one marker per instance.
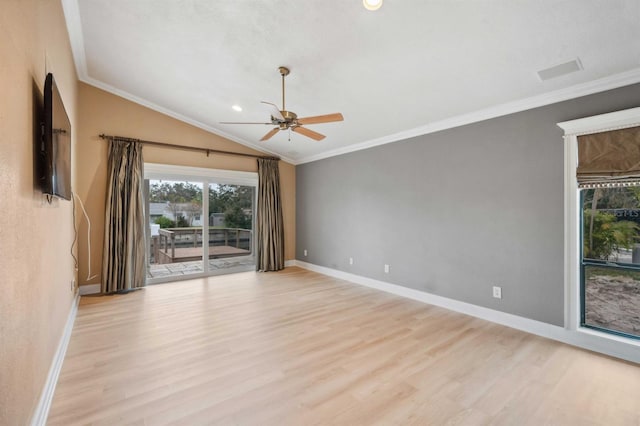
(55, 148)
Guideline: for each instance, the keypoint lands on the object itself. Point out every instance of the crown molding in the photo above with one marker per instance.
(607, 83)
(135, 99)
(76, 39)
(74, 27)
(71, 11)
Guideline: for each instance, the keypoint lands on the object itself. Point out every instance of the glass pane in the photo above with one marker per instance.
(611, 224)
(175, 246)
(612, 299)
(231, 218)
(611, 237)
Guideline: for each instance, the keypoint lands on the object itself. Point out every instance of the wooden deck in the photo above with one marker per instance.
(187, 254)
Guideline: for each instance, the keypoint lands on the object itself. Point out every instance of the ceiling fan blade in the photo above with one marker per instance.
(270, 134)
(328, 118)
(242, 122)
(308, 133)
(273, 109)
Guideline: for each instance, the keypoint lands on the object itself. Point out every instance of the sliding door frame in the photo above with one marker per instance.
(205, 176)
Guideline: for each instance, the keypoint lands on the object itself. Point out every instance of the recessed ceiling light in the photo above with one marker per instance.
(237, 108)
(372, 4)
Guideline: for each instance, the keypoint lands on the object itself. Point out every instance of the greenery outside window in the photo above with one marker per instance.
(610, 260)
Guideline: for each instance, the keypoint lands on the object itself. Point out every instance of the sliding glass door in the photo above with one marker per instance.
(200, 222)
(175, 213)
(231, 220)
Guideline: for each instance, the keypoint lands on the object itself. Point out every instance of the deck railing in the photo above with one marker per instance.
(171, 238)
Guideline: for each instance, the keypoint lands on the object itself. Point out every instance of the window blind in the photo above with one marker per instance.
(609, 159)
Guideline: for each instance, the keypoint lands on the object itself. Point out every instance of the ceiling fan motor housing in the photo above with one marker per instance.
(289, 120)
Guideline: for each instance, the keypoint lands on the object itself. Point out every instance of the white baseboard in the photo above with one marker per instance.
(289, 263)
(586, 339)
(89, 289)
(46, 397)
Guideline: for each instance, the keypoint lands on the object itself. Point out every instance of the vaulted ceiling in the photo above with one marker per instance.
(412, 67)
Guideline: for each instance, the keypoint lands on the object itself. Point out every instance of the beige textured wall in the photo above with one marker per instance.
(102, 112)
(35, 237)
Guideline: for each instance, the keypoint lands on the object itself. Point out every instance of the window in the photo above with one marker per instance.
(602, 271)
(610, 264)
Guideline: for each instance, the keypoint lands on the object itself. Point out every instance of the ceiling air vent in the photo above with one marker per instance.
(562, 69)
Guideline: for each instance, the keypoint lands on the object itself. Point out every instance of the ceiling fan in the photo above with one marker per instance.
(283, 119)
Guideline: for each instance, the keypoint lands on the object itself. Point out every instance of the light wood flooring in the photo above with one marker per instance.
(300, 348)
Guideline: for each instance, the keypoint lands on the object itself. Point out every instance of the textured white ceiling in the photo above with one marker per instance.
(413, 66)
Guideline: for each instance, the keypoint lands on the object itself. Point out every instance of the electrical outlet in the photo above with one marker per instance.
(351, 261)
(386, 269)
(305, 252)
(497, 292)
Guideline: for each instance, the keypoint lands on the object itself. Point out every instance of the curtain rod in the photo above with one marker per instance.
(187, 148)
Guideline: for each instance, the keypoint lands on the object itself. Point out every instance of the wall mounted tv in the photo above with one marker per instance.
(55, 147)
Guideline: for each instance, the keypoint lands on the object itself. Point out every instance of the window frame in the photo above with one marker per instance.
(597, 340)
(600, 264)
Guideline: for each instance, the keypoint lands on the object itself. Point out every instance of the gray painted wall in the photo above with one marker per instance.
(455, 212)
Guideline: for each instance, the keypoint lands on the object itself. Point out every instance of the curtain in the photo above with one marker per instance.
(269, 222)
(123, 261)
(609, 158)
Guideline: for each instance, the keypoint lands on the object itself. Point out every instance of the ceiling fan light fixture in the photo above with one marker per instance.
(372, 4)
(237, 108)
